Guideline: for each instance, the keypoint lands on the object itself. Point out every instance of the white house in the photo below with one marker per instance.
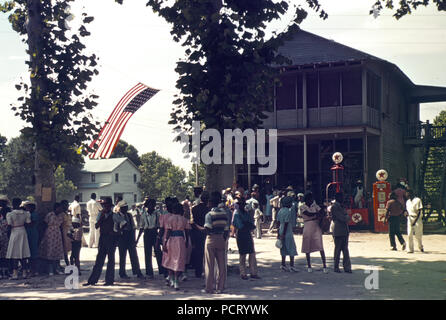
(113, 178)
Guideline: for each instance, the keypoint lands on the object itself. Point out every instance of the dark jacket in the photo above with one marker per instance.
(340, 220)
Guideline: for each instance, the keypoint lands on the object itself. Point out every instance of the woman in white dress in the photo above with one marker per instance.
(18, 247)
(312, 233)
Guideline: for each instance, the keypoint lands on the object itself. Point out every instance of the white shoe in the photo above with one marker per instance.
(183, 277)
(310, 270)
(325, 270)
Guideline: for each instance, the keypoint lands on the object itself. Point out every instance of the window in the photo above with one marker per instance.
(93, 177)
(135, 198)
(312, 90)
(352, 88)
(286, 92)
(355, 144)
(373, 90)
(341, 145)
(116, 177)
(135, 178)
(329, 83)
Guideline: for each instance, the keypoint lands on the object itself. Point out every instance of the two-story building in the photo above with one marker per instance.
(335, 98)
(115, 177)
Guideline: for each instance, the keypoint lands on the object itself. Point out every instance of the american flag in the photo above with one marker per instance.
(112, 130)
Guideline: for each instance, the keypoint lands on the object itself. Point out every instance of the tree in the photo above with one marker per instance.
(123, 149)
(64, 188)
(160, 178)
(406, 6)
(201, 175)
(17, 169)
(55, 104)
(226, 80)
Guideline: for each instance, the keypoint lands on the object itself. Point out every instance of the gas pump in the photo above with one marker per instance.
(381, 194)
(337, 174)
(359, 217)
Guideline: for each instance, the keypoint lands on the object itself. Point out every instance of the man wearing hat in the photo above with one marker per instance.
(107, 246)
(126, 241)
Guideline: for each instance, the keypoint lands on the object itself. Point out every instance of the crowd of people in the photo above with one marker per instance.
(185, 235)
(31, 244)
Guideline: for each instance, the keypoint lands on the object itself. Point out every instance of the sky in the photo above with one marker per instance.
(135, 45)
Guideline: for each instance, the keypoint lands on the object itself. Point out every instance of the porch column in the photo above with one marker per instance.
(305, 162)
(364, 96)
(365, 160)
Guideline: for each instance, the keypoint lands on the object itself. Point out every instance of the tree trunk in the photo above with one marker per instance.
(213, 176)
(45, 192)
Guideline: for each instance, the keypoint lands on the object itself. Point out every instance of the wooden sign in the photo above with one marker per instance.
(46, 194)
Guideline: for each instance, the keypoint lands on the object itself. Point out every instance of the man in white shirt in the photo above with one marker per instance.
(93, 208)
(414, 220)
(75, 207)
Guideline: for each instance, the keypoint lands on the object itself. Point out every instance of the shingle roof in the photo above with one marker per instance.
(102, 165)
(307, 48)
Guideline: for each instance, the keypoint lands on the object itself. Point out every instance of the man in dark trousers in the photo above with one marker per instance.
(340, 231)
(107, 246)
(198, 237)
(149, 226)
(126, 241)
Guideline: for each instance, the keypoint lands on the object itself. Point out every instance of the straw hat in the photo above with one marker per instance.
(122, 203)
(4, 197)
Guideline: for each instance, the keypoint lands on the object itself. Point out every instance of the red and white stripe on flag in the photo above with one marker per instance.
(114, 126)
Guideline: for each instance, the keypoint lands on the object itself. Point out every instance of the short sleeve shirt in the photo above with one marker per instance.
(413, 206)
(395, 207)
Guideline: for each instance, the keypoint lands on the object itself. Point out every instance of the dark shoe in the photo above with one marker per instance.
(108, 284)
(422, 250)
(244, 277)
(88, 284)
(393, 248)
(150, 277)
(403, 247)
(124, 276)
(140, 276)
(348, 271)
(337, 270)
(255, 277)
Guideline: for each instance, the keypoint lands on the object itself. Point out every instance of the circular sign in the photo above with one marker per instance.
(382, 175)
(356, 217)
(337, 157)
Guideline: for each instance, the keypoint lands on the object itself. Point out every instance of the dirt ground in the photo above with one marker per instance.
(401, 276)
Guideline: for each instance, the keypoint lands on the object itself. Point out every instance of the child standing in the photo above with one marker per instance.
(258, 219)
(176, 244)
